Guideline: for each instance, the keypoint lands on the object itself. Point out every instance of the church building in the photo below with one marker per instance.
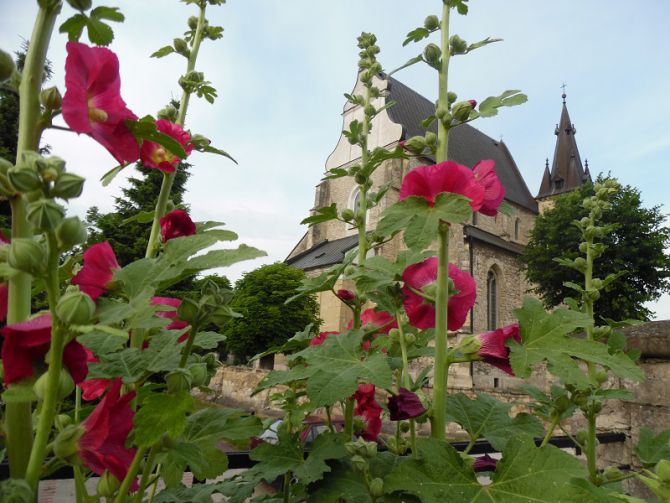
(487, 247)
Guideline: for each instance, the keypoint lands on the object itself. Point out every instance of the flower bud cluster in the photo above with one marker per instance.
(368, 61)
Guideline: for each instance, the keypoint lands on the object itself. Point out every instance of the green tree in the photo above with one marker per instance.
(125, 233)
(635, 248)
(260, 297)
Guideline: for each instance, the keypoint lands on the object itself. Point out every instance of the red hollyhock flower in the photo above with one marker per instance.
(156, 156)
(28, 342)
(484, 463)
(102, 446)
(93, 388)
(368, 408)
(371, 319)
(494, 192)
(493, 350)
(175, 224)
(420, 311)
(98, 270)
(429, 181)
(317, 340)
(176, 324)
(405, 405)
(345, 295)
(92, 103)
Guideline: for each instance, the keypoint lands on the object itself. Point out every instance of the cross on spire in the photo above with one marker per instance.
(563, 86)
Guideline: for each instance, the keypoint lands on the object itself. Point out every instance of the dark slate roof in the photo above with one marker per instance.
(467, 145)
(491, 239)
(567, 172)
(323, 254)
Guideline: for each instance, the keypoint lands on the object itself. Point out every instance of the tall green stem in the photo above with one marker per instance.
(48, 408)
(146, 473)
(18, 421)
(406, 380)
(439, 421)
(130, 475)
(443, 99)
(189, 345)
(168, 178)
(591, 440)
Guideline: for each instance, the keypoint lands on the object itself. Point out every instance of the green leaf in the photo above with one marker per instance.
(585, 492)
(145, 129)
(416, 35)
(208, 340)
(652, 448)
(440, 473)
(141, 217)
(99, 33)
(74, 26)
(162, 52)
(420, 221)
(489, 107)
(218, 151)
(205, 462)
(111, 174)
(102, 343)
(545, 338)
(411, 62)
(484, 416)
(127, 364)
(482, 43)
(109, 13)
(322, 215)
(299, 341)
(163, 353)
(336, 366)
(160, 414)
(198, 493)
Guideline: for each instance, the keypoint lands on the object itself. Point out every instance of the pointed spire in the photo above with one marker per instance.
(567, 172)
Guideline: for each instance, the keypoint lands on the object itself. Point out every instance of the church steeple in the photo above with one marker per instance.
(567, 172)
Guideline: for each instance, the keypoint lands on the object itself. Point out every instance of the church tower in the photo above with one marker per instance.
(567, 172)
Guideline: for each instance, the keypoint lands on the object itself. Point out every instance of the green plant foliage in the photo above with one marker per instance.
(161, 414)
(652, 448)
(260, 297)
(486, 417)
(635, 247)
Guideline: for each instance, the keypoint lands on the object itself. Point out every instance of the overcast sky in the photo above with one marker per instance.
(282, 67)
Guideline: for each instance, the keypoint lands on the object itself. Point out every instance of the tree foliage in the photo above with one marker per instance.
(267, 321)
(635, 248)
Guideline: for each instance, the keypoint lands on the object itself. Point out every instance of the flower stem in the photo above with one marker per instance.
(439, 421)
(81, 494)
(130, 475)
(187, 348)
(443, 100)
(550, 431)
(146, 473)
(406, 380)
(48, 408)
(349, 418)
(18, 415)
(168, 178)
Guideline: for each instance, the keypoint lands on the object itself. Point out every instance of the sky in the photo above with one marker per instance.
(282, 67)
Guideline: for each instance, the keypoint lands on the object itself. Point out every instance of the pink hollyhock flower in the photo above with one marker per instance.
(102, 445)
(175, 224)
(484, 463)
(494, 192)
(422, 277)
(28, 342)
(93, 388)
(371, 319)
(98, 270)
(176, 324)
(493, 350)
(156, 156)
(345, 295)
(92, 103)
(429, 181)
(368, 408)
(405, 405)
(317, 340)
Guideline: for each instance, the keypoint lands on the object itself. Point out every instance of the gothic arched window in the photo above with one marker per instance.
(517, 228)
(491, 301)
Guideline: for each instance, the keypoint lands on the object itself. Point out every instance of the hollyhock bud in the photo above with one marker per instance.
(168, 113)
(473, 103)
(416, 144)
(92, 103)
(461, 110)
(27, 255)
(65, 385)
(494, 351)
(65, 445)
(421, 311)
(24, 179)
(68, 186)
(51, 98)
(62, 421)
(359, 463)
(75, 307)
(405, 405)
(176, 224)
(348, 215)
(45, 214)
(188, 310)
(6, 65)
(199, 374)
(432, 54)
(470, 345)
(345, 295)
(431, 23)
(193, 22)
(108, 484)
(98, 270)
(429, 181)
(458, 45)
(181, 47)
(81, 5)
(494, 192)
(71, 232)
(484, 463)
(431, 139)
(178, 380)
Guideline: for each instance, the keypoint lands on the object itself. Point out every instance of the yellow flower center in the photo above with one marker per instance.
(96, 114)
(161, 155)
